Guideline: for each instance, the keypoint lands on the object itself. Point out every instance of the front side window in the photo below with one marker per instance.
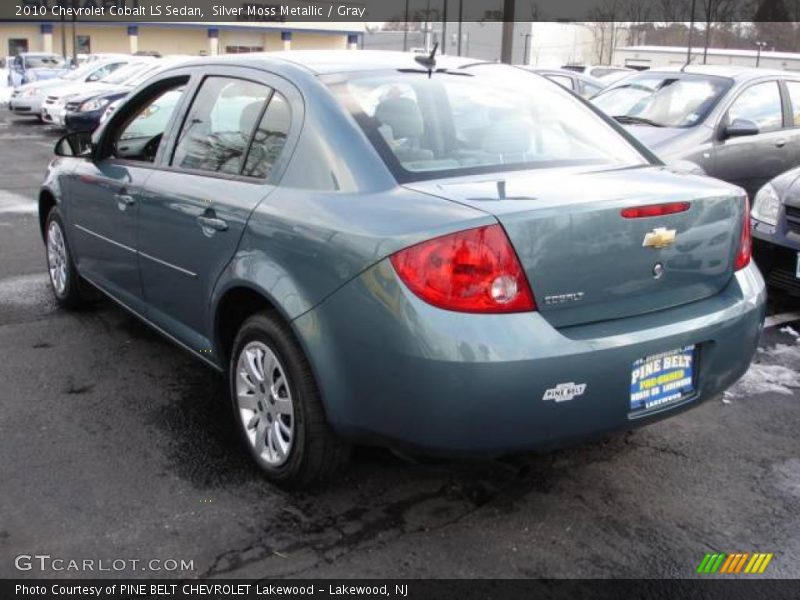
(140, 137)
(478, 121)
(665, 100)
(760, 103)
(217, 131)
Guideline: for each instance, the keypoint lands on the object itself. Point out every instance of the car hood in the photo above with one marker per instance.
(655, 138)
(47, 73)
(79, 88)
(112, 93)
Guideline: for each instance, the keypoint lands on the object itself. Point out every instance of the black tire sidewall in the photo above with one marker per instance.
(275, 336)
(71, 295)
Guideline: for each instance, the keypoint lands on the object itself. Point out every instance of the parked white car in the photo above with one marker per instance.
(27, 100)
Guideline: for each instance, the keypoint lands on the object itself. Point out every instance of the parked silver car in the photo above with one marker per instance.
(739, 124)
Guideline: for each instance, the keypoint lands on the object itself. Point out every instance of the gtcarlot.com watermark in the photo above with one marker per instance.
(48, 563)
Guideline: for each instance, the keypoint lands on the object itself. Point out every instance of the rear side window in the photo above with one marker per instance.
(760, 103)
(794, 96)
(218, 129)
(269, 138)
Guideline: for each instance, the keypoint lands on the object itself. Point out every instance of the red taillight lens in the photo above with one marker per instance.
(469, 271)
(655, 210)
(745, 251)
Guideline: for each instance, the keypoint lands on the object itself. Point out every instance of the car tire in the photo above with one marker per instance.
(69, 289)
(278, 408)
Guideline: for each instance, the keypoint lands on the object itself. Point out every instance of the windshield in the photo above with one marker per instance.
(44, 62)
(122, 74)
(666, 100)
(81, 72)
(478, 121)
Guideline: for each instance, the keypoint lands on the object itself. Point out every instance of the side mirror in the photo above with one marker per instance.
(740, 128)
(93, 77)
(78, 143)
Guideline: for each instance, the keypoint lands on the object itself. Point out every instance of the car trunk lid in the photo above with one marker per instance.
(584, 260)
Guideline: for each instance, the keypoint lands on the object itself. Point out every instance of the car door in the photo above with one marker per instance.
(104, 193)
(225, 158)
(752, 160)
(791, 89)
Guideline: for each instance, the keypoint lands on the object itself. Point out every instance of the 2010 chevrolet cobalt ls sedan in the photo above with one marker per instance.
(431, 254)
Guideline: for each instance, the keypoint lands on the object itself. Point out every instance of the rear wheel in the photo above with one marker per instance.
(67, 286)
(278, 407)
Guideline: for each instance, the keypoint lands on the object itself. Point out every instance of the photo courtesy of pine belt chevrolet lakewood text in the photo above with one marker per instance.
(426, 253)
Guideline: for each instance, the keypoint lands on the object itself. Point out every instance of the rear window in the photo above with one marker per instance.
(44, 62)
(480, 120)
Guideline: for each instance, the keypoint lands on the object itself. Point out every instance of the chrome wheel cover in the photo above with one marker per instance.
(265, 403)
(57, 258)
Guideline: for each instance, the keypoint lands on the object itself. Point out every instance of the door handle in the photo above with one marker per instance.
(212, 223)
(124, 201)
(780, 143)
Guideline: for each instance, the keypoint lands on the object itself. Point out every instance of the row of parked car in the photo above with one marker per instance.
(738, 124)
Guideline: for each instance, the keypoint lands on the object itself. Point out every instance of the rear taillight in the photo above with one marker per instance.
(655, 210)
(475, 270)
(745, 250)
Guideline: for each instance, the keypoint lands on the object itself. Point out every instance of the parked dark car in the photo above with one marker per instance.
(84, 112)
(776, 231)
(583, 85)
(375, 248)
(739, 124)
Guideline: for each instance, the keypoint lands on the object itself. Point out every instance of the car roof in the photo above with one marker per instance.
(339, 61)
(736, 72)
(566, 73)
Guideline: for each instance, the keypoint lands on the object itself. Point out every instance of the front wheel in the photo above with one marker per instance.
(278, 407)
(64, 279)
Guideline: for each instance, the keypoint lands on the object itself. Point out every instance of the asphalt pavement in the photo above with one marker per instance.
(116, 445)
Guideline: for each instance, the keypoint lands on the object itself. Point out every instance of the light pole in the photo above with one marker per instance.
(759, 46)
(691, 31)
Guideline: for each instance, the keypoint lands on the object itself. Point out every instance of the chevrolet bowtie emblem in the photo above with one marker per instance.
(660, 237)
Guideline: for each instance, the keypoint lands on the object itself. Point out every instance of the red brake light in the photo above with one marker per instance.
(655, 210)
(475, 270)
(745, 251)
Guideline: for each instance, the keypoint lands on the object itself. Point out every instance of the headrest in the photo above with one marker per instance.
(402, 115)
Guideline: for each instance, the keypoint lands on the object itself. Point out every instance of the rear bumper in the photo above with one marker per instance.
(394, 370)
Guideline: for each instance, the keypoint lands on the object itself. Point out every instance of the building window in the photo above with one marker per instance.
(84, 44)
(17, 45)
(243, 49)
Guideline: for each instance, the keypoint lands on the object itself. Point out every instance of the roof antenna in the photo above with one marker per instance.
(429, 62)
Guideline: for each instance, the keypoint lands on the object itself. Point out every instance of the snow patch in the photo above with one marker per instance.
(17, 203)
(791, 331)
(775, 373)
(23, 289)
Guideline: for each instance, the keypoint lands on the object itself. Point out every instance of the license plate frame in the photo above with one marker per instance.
(663, 379)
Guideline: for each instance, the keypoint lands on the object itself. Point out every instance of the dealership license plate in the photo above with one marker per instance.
(662, 379)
